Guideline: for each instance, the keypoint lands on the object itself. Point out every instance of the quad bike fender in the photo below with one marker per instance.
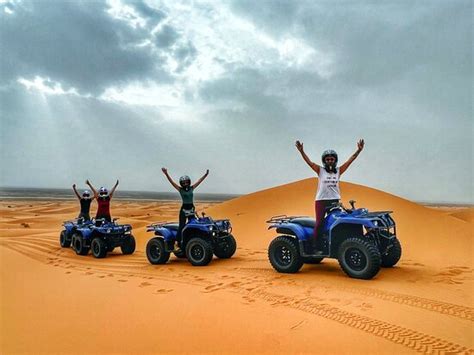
(291, 229)
(165, 233)
(86, 233)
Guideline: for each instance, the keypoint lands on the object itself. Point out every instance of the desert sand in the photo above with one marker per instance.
(53, 301)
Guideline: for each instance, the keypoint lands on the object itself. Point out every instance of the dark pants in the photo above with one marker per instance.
(84, 215)
(321, 206)
(183, 218)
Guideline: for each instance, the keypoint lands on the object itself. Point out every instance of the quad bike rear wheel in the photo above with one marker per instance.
(284, 255)
(63, 241)
(79, 245)
(98, 248)
(156, 251)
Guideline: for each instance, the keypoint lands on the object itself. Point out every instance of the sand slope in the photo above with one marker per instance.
(53, 301)
(424, 232)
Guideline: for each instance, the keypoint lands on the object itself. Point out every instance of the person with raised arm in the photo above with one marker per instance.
(186, 191)
(85, 201)
(328, 191)
(103, 198)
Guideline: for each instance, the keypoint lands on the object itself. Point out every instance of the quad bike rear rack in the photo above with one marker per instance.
(283, 218)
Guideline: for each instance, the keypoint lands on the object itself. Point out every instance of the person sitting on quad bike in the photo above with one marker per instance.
(328, 192)
(85, 202)
(103, 198)
(186, 190)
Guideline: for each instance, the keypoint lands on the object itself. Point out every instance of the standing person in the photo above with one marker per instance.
(85, 202)
(328, 185)
(103, 201)
(186, 190)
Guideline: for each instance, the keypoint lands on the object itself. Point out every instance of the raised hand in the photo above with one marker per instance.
(73, 186)
(164, 170)
(360, 144)
(207, 172)
(299, 146)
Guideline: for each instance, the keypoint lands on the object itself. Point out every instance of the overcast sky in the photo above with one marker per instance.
(118, 89)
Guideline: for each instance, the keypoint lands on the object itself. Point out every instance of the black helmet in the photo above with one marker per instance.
(185, 179)
(329, 153)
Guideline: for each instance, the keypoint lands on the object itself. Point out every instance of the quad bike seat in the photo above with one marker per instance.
(304, 221)
(172, 226)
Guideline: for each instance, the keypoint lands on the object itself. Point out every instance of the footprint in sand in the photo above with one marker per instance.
(122, 280)
(163, 290)
(213, 288)
(67, 272)
(144, 284)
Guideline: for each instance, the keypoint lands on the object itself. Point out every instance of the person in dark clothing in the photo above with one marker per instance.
(103, 198)
(85, 201)
(186, 190)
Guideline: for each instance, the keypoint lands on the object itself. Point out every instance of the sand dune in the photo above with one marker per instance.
(466, 214)
(53, 301)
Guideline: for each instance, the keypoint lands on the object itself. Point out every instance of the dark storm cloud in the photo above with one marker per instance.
(166, 36)
(379, 43)
(78, 44)
(153, 16)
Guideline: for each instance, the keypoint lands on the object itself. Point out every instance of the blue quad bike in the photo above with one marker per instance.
(98, 235)
(360, 240)
(202, 237)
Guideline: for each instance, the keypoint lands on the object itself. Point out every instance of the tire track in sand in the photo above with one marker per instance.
(451, 309)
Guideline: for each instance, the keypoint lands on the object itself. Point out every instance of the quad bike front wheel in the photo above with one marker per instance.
(392, 254)
(359, 258)
(129, 245)
(199, 252)
(227, 248)
(284, 255)
(98, 248)
(63, 241)
(156, 251)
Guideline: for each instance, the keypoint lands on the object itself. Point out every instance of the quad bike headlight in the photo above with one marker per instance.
(109, 230)
(375, 223)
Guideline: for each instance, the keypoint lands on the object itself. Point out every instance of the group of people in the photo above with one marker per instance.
(103, 198)
(327, 192)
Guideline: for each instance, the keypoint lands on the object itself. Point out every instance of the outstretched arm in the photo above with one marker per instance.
(175, 185)
(113, 189)
(308, 161)
(197, 183)
(75, 191)
(360, 146)
(92, 188)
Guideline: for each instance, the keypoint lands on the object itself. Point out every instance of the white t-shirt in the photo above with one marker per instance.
(328, 186)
